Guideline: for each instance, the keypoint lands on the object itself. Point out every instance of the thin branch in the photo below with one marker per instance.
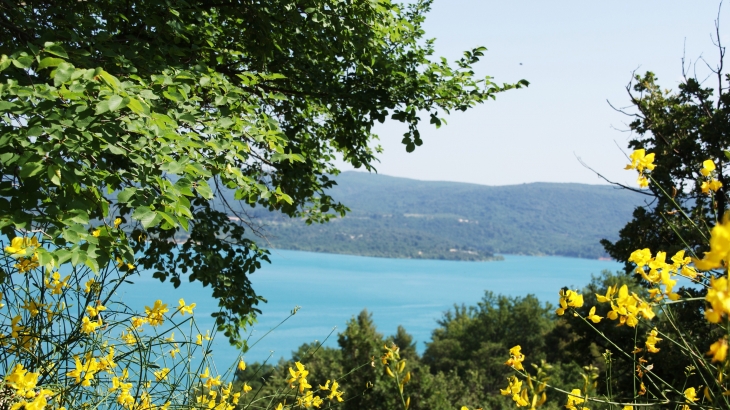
(611, 182)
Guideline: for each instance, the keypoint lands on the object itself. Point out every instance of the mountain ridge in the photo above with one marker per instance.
(406, 218)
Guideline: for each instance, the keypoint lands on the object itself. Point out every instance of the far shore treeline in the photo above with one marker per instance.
(404, 218)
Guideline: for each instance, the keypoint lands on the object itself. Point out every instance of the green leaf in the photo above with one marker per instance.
(62, 74)
(78, 216)
(204, 190)
(138, 107)
(44, 257)
(147, 217)
(168, 218)
(77, 256)
(184, 186)
(110, 80)
(23, 61)
(55, 49)
(115, 102)
(4, 62)
(62, 256)
(93, 264)
(50, 62)
(126, 195)
(54, 174)
(30, 169)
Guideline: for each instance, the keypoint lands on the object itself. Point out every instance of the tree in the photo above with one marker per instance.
(472, 343)
(682, 129)
(121, 122)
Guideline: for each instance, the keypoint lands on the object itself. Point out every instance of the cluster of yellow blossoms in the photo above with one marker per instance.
(212, 400)
(625, 307)
(710, 183)
(574, 399)
(568, 298)
(641, 161)
(23, 249)
(392, 353)
(658, 272)
(514, 388)
(24, 384)
(515, 358)
(305, 397)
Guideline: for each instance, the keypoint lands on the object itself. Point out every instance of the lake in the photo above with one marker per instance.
(330, 289)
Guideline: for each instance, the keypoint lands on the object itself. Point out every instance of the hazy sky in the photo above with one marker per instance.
(576, 55)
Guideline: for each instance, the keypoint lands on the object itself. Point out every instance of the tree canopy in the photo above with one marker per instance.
(121, 121)
(686, 131)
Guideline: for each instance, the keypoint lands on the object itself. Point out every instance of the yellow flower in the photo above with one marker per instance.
(206, 374)
(161, 374)
(575, 398)
(299, 377)
(652, 340)
(96, 233)
(336, 394)
(88, 285)
(137, 322)
(94, 311)
(185, 309)
(107, 362)
(85, 370)
(718, 350)
(117, 222)
(641, 257)
(156, 313)
(707, 167)
(20, 246)
(628, 308)
(128, 338)
(608, 296)
(568, 298)
(247, 388)
(719, 247)
(711, 185)
(23, 381)
(640, 161)
(55, 284)
(592, 316)
(87, 326)
(515, 358)
(175, 350)
(691, 395)
(33, 307)
(241, 365)
(514, 389)
(718, 296)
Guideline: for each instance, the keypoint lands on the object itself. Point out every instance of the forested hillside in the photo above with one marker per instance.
(404, 218)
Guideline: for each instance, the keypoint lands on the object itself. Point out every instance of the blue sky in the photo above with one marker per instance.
(577, 55)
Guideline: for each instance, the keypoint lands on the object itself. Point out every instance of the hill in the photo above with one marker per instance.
(405, 218)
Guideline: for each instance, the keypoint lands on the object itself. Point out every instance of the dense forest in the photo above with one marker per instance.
(405, 218)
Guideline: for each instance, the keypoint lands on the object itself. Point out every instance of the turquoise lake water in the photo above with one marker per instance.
(330, 289)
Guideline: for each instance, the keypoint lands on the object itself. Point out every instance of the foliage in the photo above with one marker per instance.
(66, 341)
(147, 110)
(682, 129)
(404, 218)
